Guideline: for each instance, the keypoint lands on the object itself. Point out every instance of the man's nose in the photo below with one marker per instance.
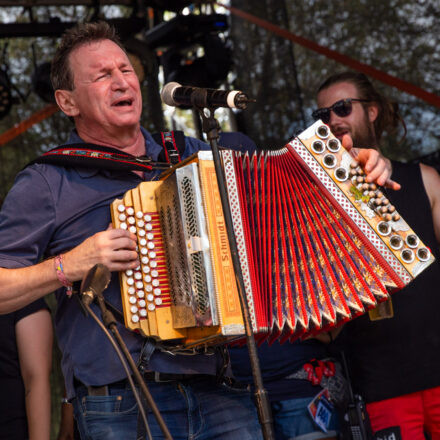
(118, 80)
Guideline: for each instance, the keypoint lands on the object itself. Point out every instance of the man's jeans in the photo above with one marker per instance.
(196, 409)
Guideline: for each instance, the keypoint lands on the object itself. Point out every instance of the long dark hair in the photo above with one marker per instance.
(388, 117)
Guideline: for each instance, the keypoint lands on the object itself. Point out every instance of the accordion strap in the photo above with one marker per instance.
(101, 157)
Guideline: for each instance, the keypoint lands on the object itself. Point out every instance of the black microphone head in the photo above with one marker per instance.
(96, 279)
(168, 91)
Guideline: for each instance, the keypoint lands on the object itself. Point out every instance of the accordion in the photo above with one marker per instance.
(317, 245)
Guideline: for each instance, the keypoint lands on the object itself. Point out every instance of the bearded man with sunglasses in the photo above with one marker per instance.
(394, 360)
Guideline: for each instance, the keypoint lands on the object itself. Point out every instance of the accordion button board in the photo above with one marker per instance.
(318, 245)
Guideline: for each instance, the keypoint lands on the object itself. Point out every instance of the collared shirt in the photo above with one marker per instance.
(52, 209)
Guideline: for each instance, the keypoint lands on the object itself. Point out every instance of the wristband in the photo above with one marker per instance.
(61, 275)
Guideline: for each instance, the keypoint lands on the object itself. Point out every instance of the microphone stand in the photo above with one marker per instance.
(90, 293)
(211, 127)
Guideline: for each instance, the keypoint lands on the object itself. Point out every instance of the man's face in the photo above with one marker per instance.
(106, 92)
(358, 124)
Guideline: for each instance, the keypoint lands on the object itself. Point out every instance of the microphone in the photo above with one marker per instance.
(95, 282)
(174, 94)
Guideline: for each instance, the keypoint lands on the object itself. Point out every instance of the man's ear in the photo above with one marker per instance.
(66, 102)
(373, 111)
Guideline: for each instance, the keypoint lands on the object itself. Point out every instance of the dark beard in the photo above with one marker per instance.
(365, 138)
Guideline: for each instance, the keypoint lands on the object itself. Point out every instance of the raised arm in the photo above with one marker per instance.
(34, 343)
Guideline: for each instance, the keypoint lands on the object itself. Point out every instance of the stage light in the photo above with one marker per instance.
(187, 67)
(5, 94)
(192, 51)
(185, 30)
(41, 83)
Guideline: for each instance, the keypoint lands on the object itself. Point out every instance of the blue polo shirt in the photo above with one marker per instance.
(52, 209)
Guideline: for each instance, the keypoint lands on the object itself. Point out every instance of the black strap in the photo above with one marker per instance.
(173, 143)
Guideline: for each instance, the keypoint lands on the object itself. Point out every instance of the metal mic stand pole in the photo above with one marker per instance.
(211, 127)
(110, 322)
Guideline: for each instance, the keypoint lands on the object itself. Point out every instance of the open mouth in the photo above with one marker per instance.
(124, 103)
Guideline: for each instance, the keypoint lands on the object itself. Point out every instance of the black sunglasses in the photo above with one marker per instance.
(341, 108)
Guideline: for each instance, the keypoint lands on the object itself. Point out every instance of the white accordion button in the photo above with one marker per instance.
(150, 297)
(132, 300)
(150, 236)
(141, 233)
(140, 224)
(145, 260)
(158, 301)
(121, 208)
(135, 318)
(133, 309)
(129, 272)
(139, 285)
(143, 313)
(152, 254)
(131, 220)
(151, 307)
(143, 242)
(153, 264)
(122, 217)
(146, 269)
(142, 303)
(154, 273)
(140, 293)
(155, 283)
(130, 281)
(147, 278)
(130, 210)
(132, 229)
(123, 225)
(138, 276)
(147, 218)
(139, 214)
(131, 290)
(157, 291)
(149, 288)
(149, 227)
(144, 251)
(150, 245)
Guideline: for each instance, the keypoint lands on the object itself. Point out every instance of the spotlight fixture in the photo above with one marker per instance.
(185, 30)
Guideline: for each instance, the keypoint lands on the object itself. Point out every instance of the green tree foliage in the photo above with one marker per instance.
(399, 37)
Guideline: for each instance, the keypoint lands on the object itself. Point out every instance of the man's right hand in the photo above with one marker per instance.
(115, 248)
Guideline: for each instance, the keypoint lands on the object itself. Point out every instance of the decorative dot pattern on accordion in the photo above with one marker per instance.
(147, 285)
